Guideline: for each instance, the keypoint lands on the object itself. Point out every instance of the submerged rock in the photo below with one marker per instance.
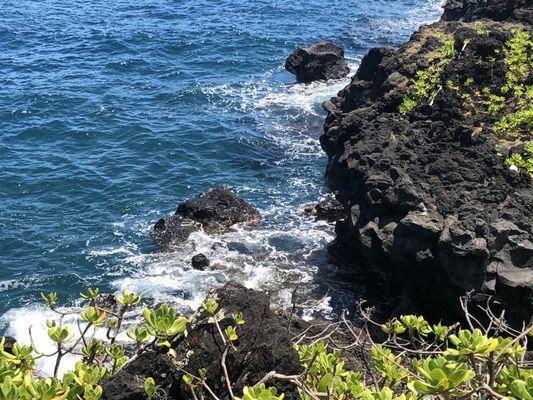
(200, 262)
(214, 211)
(263, 345)
(321, 61)
(430, 203)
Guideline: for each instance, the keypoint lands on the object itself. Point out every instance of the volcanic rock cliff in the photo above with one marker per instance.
(419, 147)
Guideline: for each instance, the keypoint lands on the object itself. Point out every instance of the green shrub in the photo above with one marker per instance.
(416, 360)
(427, 83)
(515, 93)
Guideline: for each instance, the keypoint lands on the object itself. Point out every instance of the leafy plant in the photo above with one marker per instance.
(128, 299)
(415, 361)
(427, 82)
(164, 324)
(150, 388)
(260, 393)
(470, 343)
(440, 376)
(388, 365)
(524, 161)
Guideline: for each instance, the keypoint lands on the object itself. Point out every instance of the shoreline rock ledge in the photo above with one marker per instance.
(417, 146)
(215, 211)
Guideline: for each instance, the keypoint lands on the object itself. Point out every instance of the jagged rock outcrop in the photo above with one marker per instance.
(263, 345)
(128, 384)
(215, 211)
(321, 61)
(498, 10)
(432, 205)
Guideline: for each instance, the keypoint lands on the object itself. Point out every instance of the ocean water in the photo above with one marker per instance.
(112, 112)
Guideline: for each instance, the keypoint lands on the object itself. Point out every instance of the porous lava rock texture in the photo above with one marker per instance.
(432, 206)
(215, 211)
(321, 61)
(263, 346)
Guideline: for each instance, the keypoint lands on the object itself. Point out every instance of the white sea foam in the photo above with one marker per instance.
(112, 251)
(263, 95)
(306, 97)
(20, 320)
(11, 284)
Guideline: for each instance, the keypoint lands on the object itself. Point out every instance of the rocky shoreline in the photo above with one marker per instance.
(417, 156)
(426, 203)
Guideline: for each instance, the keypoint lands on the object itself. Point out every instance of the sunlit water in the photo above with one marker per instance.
(112, 112)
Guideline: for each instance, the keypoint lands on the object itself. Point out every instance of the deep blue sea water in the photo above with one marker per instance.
(112, 112)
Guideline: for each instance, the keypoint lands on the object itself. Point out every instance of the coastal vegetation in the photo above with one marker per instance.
(410, 359)
(427, 83)
(514, 96)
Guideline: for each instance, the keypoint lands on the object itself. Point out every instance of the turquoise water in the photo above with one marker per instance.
(112, 112)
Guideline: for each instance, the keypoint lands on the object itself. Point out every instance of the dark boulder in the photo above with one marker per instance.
(200, 262)
(214, 211)
(329, 209)
(263, 345)
(321, 61)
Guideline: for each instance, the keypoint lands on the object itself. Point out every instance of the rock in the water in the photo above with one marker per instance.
(430, 203)
(215, 211)
(200, 262)
(321, 61)
(329, 209)
(263, 345)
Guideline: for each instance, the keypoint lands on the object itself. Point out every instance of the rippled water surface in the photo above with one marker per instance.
(112, 112)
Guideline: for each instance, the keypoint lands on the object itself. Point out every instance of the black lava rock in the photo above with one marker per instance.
(429, 203)
(214, 211)
(9, 342)
(263, 345)
(128, 384)
(200, 262)
(321, 61)
(329, 209)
